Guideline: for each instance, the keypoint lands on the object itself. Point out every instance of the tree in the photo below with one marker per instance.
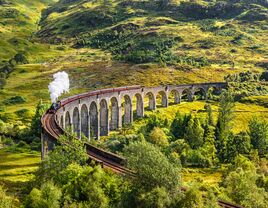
(69, 150)
(192, 198)
(237, 144)
(224, 124)
(157, 198)
(47, 197)
(210, 120)
(194, 133)
(82, 185)
(208, 149)
(36, 124)
(242, 189)
(179, 124)
(152, 167)
(90, 186)
(158, 137)
(258, 131)
(155, 121)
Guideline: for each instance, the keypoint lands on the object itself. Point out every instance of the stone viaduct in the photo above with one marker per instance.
(95, 113)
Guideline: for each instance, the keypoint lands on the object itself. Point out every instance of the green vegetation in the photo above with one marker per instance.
(214, 148)
(176, 33)
(200, 145)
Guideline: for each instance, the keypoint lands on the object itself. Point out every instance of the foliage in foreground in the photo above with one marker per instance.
(5, 200)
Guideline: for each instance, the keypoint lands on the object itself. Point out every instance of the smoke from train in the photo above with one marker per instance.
(59, 85)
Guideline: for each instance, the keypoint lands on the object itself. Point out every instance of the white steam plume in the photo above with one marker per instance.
(59, 85)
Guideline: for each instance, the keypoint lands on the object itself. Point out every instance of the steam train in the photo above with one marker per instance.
(55, 106)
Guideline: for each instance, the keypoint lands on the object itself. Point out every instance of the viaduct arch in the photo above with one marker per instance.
(94, 114)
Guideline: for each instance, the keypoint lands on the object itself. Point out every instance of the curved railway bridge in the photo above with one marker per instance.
(95, 113)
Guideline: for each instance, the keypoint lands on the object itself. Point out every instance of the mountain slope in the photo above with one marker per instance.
(184, 35)
(116, 43)
(18, 23)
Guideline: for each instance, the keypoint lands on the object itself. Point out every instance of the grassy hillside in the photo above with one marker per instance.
(242, 113)
(18, 23)
(16, 170)
(115, 42)
(185, 35)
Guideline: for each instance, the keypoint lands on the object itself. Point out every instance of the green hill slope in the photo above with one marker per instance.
(182, 34)
(106, 43)
(18, 23)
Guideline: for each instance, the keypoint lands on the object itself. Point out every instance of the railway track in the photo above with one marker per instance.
(104, 158)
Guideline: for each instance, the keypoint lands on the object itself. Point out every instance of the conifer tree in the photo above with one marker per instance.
(194, 133)
(224, 123)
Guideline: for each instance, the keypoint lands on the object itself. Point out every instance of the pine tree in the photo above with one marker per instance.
(209, 114)
(209, 149)
(258, 131)
(179, 124)
(36, 123)
(194, 133)
(224, 124)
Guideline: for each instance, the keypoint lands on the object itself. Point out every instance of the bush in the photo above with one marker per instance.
(242, 189)
(2, 83)
(8, 117)
(2, 108)
(157, 198)
(198, 10)
(23, 144)
(8, 142)
(20, 59)
(158, 137)
(116, 143)
(24, 114)
(256, 14)
(197, 159)
(153, 169)
(15, 100)
(5, 200)
(90, 186)
(47, 197)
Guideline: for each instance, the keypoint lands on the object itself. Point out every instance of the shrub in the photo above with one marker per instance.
(2, 108)
(5, 200)
(24, 113)
(47, 197)
(102, 192)
(23, 144)
(8, 142)
(158, 137)
(8, 117)
(157, 198)
(116, 143)
(20, 59)
(197, 159)
(242, 189)
(15, 100)
(2, 83)
(255, 14)
(205, 44)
